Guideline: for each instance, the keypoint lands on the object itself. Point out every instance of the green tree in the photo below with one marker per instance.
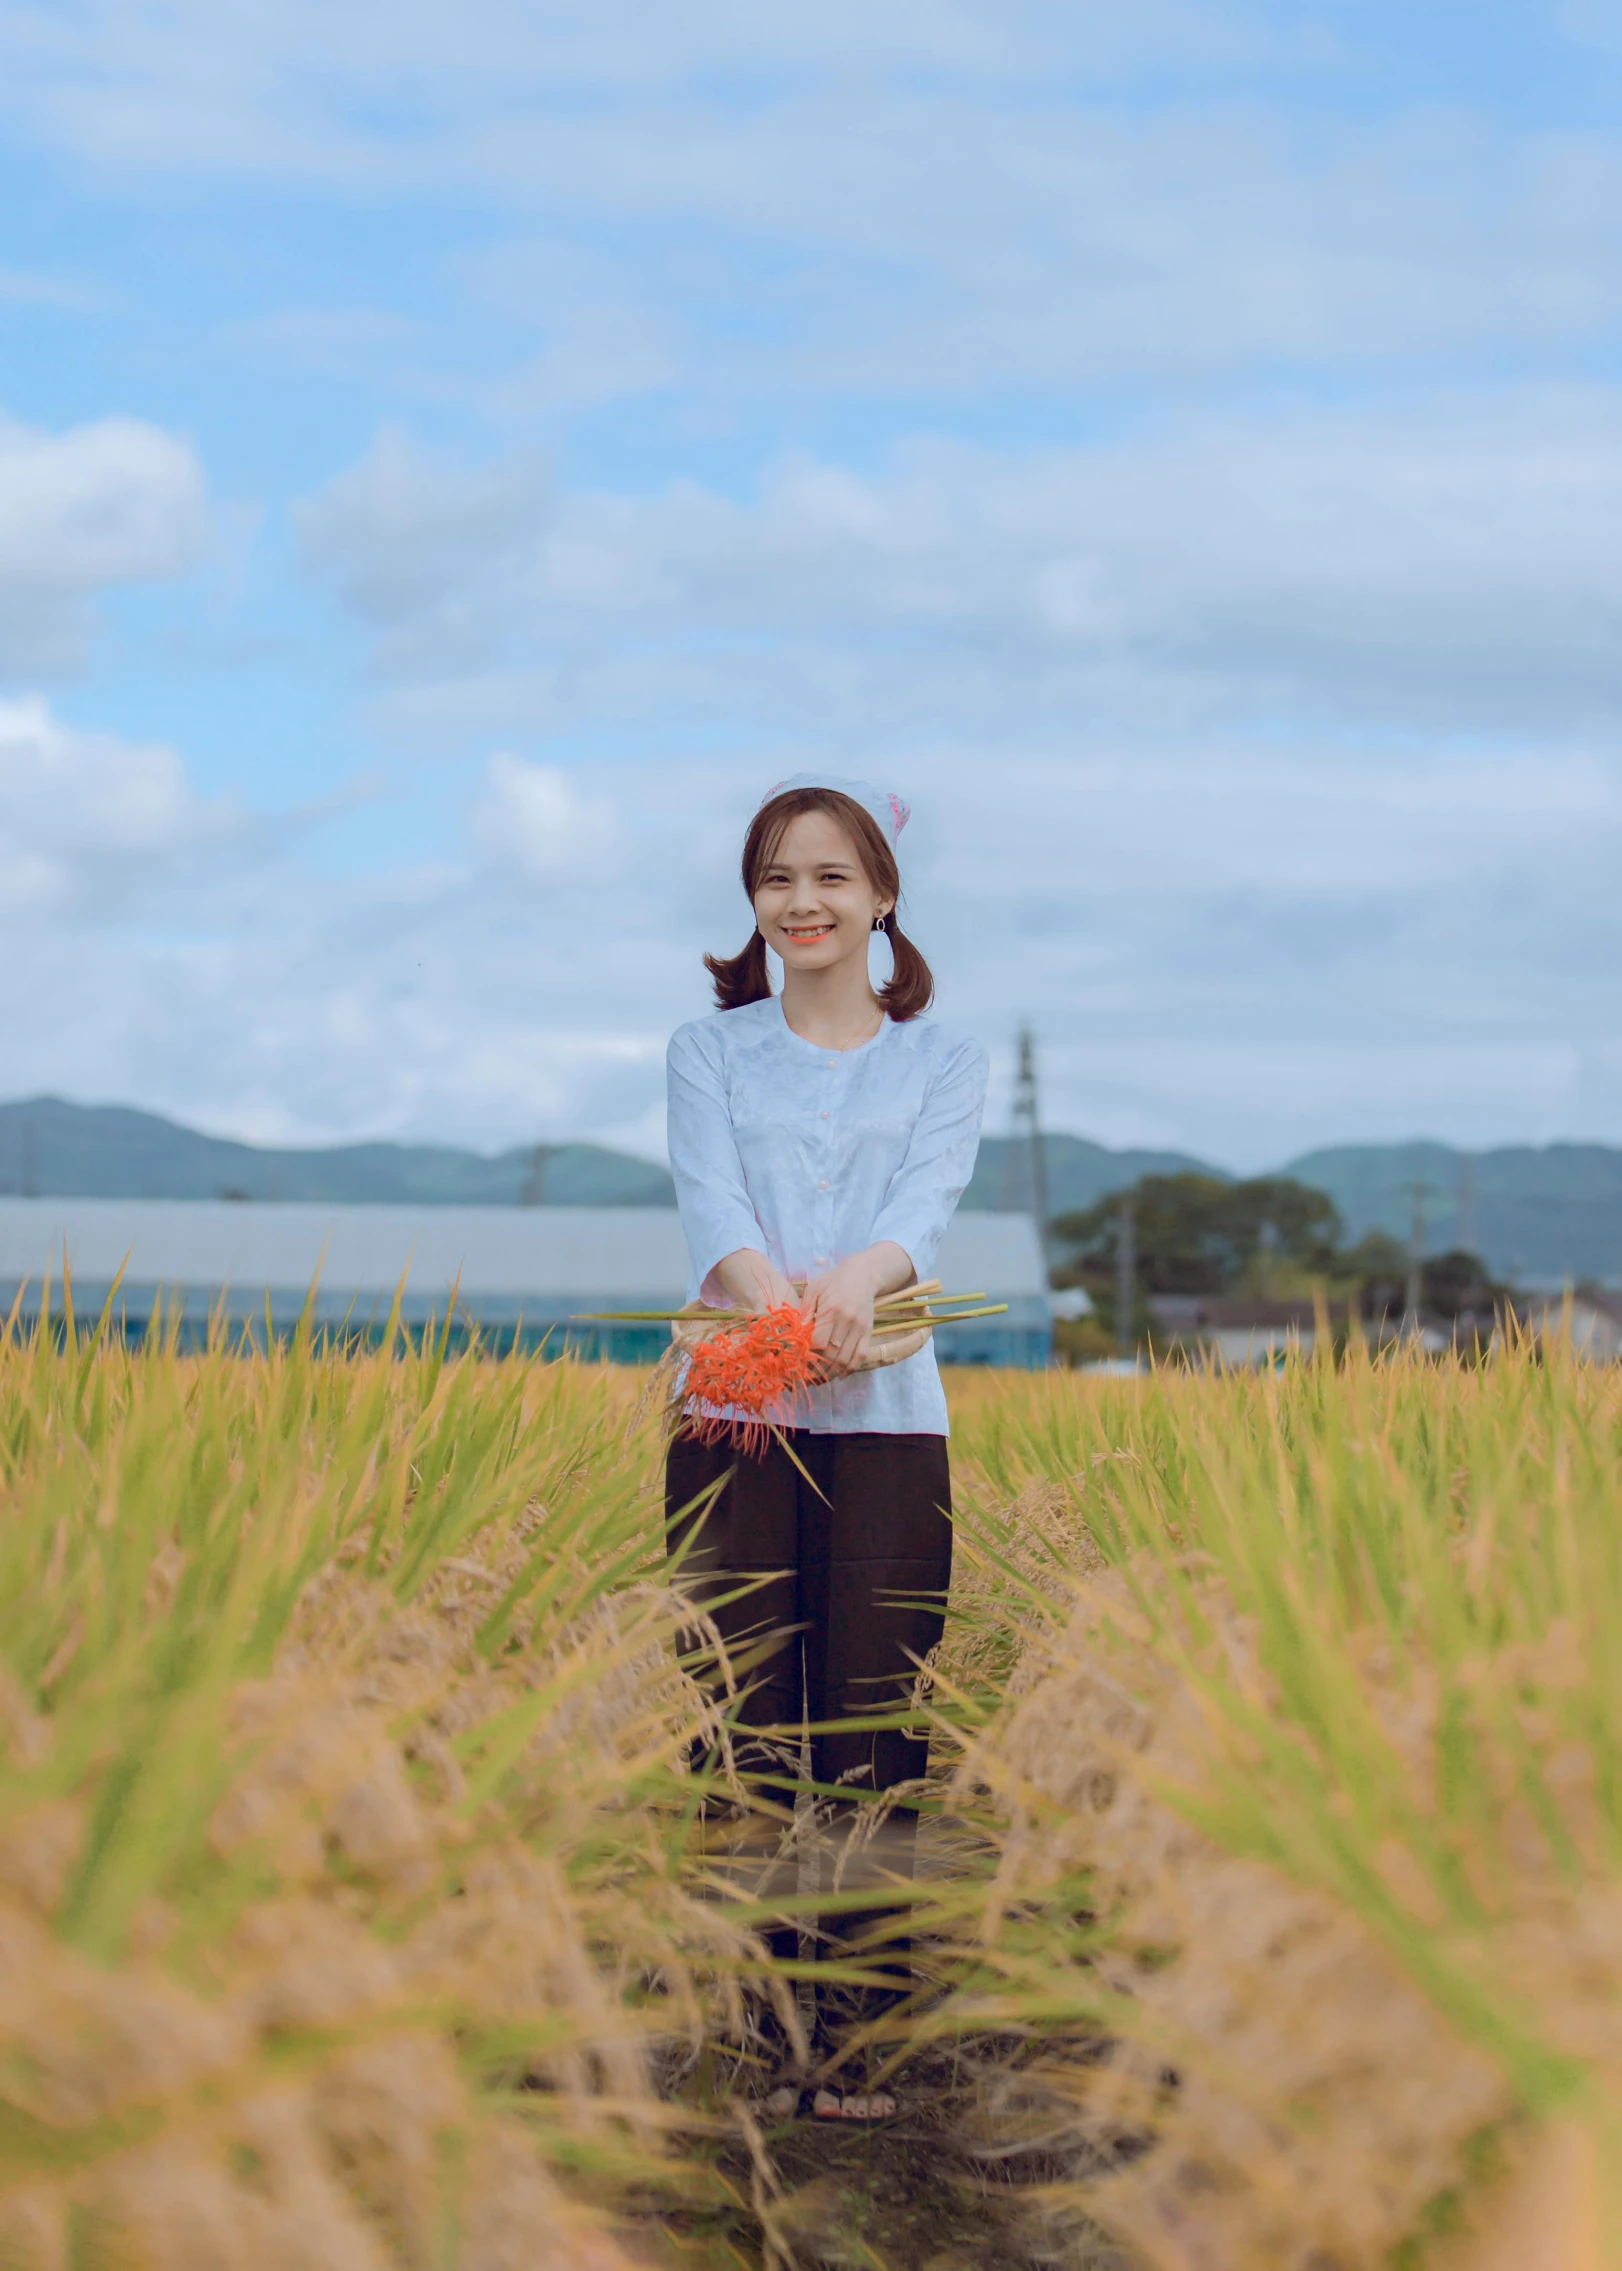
(1198, 1234)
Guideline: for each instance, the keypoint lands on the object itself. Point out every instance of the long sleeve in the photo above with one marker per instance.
(807, 1155)
(717, 1214)
(924, 1190)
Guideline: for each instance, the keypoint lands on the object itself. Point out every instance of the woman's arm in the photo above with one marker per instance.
(717, 1214)
(923, 1192)
(749, 1280)
(925, 1188)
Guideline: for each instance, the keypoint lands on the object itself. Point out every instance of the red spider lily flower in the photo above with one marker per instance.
(747, 1370)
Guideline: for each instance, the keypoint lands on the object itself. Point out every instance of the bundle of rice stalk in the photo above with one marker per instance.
(741, 1376)
(339, 1719)
(1305, 1809)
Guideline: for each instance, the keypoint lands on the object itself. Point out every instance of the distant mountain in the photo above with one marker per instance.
(60, 1150)
(1537, 1216)
(1078, 1172)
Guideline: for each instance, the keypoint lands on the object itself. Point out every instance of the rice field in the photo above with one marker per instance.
(358, 1907)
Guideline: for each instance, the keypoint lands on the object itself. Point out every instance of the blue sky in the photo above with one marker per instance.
(451, 462)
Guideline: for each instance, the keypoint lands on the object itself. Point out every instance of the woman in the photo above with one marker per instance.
(820, 1141)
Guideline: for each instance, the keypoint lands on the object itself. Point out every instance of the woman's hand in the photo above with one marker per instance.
(841, 1300)
(748, 1280)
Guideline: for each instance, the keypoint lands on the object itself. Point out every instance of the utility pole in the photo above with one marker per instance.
(1416, 1249)
(533, 1192)
(1126, 1272)
(1464, 1225)
(1028, 1124)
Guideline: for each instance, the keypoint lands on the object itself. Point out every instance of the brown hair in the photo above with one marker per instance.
(742, 978)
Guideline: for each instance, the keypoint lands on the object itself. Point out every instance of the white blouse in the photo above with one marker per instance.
(808, 1155)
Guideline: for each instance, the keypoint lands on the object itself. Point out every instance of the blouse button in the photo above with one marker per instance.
(824, 1115)
(822, 1186)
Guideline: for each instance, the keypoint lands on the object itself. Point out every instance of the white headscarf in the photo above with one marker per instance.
(890, 811)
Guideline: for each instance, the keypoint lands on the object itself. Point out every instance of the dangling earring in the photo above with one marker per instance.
(879, 921)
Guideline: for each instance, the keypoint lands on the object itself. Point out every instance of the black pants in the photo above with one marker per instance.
(857, 1598)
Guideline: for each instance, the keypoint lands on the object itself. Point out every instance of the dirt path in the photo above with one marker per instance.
(911, 2194)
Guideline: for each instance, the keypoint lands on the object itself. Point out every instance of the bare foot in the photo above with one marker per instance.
(783, 2103)
(863, 2105)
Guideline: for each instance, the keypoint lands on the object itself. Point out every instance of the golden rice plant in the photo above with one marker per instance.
(351, 1913)
(342, 1822)
(1291, 1711)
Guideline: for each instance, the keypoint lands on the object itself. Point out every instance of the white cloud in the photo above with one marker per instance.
(91, 825)
(533, 819)
(1598, 22)
(339, 342)
(363, 89)
(1241, 952)
(1262, 751)
(943, 237)
(411, 542)
(875, 199)
(259, 995)
(1454, 563)
(112, 503)
(30, 288)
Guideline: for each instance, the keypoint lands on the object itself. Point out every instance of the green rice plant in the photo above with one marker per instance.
(1291, 1713)
(345, 1892)
(352, 1910)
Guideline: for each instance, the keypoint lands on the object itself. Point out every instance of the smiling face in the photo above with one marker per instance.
(815, 903)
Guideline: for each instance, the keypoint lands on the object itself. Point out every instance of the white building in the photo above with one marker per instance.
(520, 1272)
(1234, 1329)
(1593, 1321)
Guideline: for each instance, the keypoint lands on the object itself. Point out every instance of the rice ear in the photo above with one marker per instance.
(345, 1757)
